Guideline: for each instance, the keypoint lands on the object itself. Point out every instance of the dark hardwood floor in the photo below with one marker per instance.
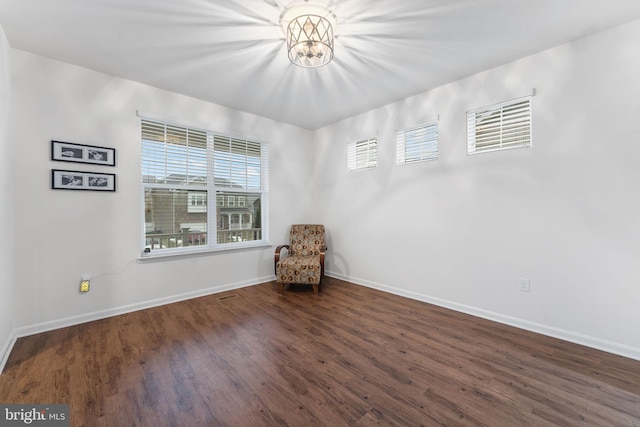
(348, 356)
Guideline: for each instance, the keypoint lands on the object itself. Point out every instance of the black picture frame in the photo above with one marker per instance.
(80, 180)
(80, 153)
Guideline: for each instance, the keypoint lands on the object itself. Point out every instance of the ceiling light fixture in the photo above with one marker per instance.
(309, 29)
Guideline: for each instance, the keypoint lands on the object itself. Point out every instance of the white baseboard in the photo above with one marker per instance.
(570, 336)
(110, 312)
(597, 343)
(6, 350)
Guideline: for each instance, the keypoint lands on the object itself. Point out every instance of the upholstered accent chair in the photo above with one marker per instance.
(305, 262)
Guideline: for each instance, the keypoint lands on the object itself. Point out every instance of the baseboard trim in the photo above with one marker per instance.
(5, 351)
(566, 335)
(103, 314)
(570, 336)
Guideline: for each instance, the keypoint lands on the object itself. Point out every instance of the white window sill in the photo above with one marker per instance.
(160, 254)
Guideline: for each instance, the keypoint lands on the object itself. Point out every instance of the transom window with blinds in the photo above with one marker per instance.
(417, 144)
(500, 127)
(362, 154)
(201, 190)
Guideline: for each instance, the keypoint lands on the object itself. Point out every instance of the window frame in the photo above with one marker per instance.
(424, 138)
(519, 119)
(367, 148)
(211, 187)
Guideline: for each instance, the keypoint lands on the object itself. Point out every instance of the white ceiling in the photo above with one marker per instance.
(232, 52)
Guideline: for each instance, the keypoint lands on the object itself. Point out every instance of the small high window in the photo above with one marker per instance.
(417, 144)
(500, 127)
(362, 154)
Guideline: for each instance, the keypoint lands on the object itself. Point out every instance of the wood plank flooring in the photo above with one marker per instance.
(350, 356)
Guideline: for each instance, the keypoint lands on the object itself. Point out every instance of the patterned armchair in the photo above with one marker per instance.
(305, 263)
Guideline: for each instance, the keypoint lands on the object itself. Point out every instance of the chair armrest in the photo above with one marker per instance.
(276, 256)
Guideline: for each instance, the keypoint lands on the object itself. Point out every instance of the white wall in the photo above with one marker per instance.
(6, 233)
(461, 231)
(62, 235)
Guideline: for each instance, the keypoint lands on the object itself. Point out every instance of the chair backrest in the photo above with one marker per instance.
(306, 239)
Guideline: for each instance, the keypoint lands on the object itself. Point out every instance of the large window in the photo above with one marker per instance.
(499, 127)
(201, 190)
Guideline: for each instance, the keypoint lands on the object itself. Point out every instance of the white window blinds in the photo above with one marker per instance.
(417, 144)
(362, 154)
(237, 162)
(173, 155)
(499, 127)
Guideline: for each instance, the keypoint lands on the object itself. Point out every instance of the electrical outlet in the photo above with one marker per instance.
(85, 285)
(525, 285)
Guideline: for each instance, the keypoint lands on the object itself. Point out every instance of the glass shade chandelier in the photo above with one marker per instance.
(309, 30)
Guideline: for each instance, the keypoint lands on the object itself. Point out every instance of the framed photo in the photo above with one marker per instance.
(78, 153)
(77, 180)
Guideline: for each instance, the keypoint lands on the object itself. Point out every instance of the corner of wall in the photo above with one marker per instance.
(7, 290)
(5, 350)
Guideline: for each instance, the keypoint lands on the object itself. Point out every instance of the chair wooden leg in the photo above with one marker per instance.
(315, 289)
(281, 287)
